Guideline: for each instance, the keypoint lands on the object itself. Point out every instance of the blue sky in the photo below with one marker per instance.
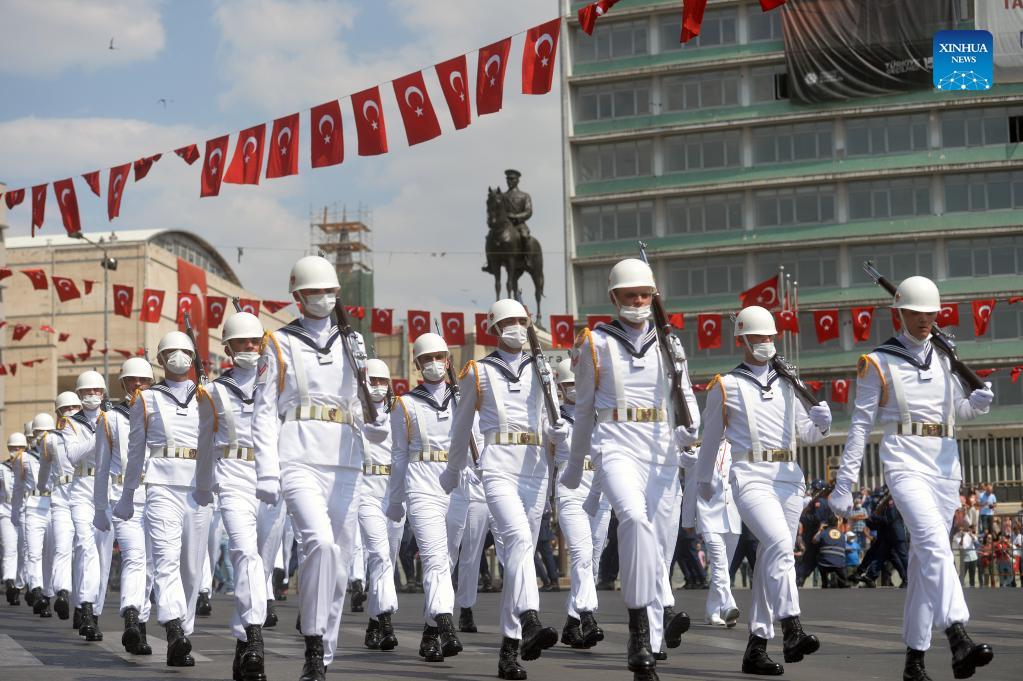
(76, 106)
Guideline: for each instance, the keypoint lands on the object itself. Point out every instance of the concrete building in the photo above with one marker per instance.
(697, 150)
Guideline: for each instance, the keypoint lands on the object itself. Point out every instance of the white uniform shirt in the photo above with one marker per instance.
(427, 410)
(562, 452)
(6, 488)
(378, 453)
(80, 434)
(718, 515)
(26, 477)
(55, 467)
(164, 417)
(225, 423)
(111, 450)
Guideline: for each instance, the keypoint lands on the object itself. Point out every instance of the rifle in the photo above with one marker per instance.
(456, 394)
(237, 304)
(356, 356)
(542, 369)
(674, 355)
(200, 369)
(941, 340)
(788, 372)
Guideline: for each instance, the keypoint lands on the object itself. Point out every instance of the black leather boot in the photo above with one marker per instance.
(313, 669)
(251, 662)
(536, 638)
(449, 643)
(178, 646)
(45, 610)
(236, 666)
(13, 593)
(591, 630)
(675, 624)
(61, 605)
(914, 669)
(966, 655)
(466, 623)
(278, 585)
(640, 657)
(388, 641)
(76, 619)
(358, 595)
(130, 637)
(372, 640)
(797, 643)
(143, 648)
(271, 615)
(650, 675)
(429, 645)
(88, 628)
(756, 661)
(203, 606)
(572, 634)
(30, 596)
(35, 599)
(508, 666)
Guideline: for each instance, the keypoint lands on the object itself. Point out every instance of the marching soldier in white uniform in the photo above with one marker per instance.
(381, 535)
(17, 443)
(132, 538)
(910, 389)
(468, 524)
(306, 433)
(162, 441)
(622, 400)
(30, 509)
(226, 464)
(504, 389)
(762, 418)
(421, 432)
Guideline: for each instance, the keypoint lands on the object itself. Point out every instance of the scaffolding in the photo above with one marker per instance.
(343, 239)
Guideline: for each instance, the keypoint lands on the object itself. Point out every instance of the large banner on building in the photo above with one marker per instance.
(844, 49)
(192, 283)
(1004, 20)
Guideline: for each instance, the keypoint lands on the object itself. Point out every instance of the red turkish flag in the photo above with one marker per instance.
(949, 315)
(216, 306)
(677, 320)
(124, 296)
(69, 357)
(453, 326)
(593, 319)
(840, 390)
(143, 165)
(764, 294)
(65, 288)
(589, 14)
(766, 5)
(418, 324)
(356, 311)
(37, 277)
(90, 343)
(825, 322)
(814, 385)
(862, 319)
(562, 330)
(453, 77)
(192, 280)
(787, 320)
(982, 310)
(484, 337)
(152, 306)
(14, 197)
(92, 179)
(490, 76)
(283, 159)
(62, 337)
(274, 306)
(1016, 371)
(88, 284)
(47, 329)
(20, 331)
(115, 189)
(327, 145)
(213, 166)
(538, 52)
(708, 334)
(381, 321)
(38, 206)
(127, 354)
(187, 304)
(399, 386)
(1015, 299)
(190, 153)
(6, 272)
(247, 161)
(692, 19)
(896, 321)
(250, 305)
(983, 373)
(416, 108)
(369, 122)
(68, 203)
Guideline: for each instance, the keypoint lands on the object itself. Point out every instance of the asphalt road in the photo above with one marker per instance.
(859, 630)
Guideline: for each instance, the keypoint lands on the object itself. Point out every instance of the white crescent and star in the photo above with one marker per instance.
(545, 38)
(118, 181)
(411, 90)
(984, 311)
(709, 325)
(366, 106)
(245, 147)
(827, 320)
(152, 301)
(285, 132)
(562, 325)
(494, 59)
(216, 308)
(419, 321)
(63, 196)
(461, 87)
(326, 118)
(861, 315)
(453, 324)
(216, 154)
(772, 299)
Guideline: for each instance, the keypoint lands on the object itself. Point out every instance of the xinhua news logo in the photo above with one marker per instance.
(963, 60)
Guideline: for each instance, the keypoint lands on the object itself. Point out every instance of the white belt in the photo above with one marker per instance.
(634, 414)
(37, 493)
(173, 453)
(523, 438)
(376, 469)
(920, 429)
(430, 455)
(320, 412)
(771, 456)
(84, 471)
(63, 480)
(241, 453)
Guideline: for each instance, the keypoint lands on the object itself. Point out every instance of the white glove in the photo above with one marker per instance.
(268, 490)
(449, 480)
(203, 497)
(100, 520)
(376, 432)
(557, 432)
(686, 437)
(706, 490)
(981, 398)
(572, 475)
(591, 505)
(821, 416)
(124, 509)
(395, 512)
(840, 500)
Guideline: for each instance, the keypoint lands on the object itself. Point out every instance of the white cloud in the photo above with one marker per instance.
(69, 34)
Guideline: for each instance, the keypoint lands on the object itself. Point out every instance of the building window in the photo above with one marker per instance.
(895, 260)
(983, 191)
(706, 276)
(770, 83)
(885, 135)
(985, 257)
(593, 284)
(612, 40)
(709, 213)
(800, 206)
(718, 29)
(710, 150)
(979, 127)
(705, 90)
(614, 100)
(609, 161)
(889, 198)
(616, 221)
(813, 268)
(785, 143)
(762, 25)
(1015, 129)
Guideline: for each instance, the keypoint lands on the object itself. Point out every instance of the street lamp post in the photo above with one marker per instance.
(108, 264)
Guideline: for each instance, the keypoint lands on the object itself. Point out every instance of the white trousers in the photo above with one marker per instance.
(585, 536)
(465, 544)
(9, 540)
(62, 527)
(516, 506)
(35, 527)
(270, 523)
(428, 515)
(771, 510)
(93, 547)
(326, 539)
(719, 548)
(382, 539)
(212, 550)
(178, 530)
(136, 558)
(934, 596)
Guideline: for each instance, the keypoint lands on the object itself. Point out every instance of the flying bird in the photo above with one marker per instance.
(111, 45)
(164, 101)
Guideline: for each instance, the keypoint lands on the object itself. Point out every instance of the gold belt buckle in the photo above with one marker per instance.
(332, 414)
(522, 438)
(931, 429)
(188, 453)
(778, 455)
(645, 414)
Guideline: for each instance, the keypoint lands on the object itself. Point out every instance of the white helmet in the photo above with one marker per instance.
(175, 340)
(312, 271)
(506, 308)
(17, 440)
(563, 371)
(67, 399)
(43, 422)
(28, 428)
(377, 368)
(427, 344)
(137, 367)
(755, 320)
(242, 325)
(90, 379)
(630, 272)
(918, 294)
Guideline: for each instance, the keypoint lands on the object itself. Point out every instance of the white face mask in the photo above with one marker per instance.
(319, 304)
(569, 393)
(178, 362)
(378, 393)
(246, 360)
(92, 402)
(634, 315)
(763, 352)
(514, 336)
(434, 371)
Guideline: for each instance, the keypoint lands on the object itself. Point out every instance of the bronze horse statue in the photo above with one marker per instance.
(507, 248)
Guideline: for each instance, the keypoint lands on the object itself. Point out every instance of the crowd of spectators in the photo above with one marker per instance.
(988, 545)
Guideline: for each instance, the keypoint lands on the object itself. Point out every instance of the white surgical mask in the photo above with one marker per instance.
(514, 336)
(92, 402)
(178, 362)
(434, 371)
(377, 393)
(319, 304)
(635, 315)
(569, 392)
(246, 360)
(762, 352)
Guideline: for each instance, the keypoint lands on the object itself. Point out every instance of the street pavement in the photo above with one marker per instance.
(859, 631)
